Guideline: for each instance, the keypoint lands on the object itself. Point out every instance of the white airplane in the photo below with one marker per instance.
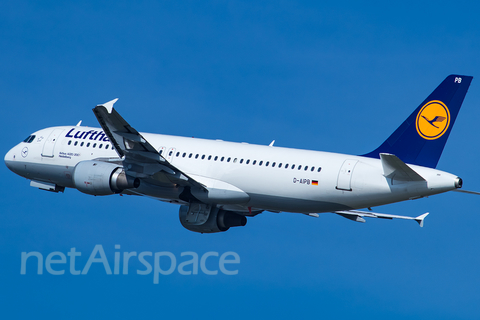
(218, 184)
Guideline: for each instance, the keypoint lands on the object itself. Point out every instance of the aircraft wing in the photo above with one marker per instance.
(140, 158)
(357, 215)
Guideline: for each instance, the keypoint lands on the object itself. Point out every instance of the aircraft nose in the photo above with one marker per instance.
(11, 158)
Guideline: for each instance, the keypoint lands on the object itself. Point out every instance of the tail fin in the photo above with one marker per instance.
(421, 138)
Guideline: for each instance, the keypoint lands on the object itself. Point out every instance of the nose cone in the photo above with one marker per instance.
(11, 159)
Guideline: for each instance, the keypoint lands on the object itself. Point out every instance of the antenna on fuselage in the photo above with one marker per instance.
(79, 123)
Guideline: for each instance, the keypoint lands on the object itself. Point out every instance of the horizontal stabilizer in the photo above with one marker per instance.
(466, 191)
(396, 169)
(357, 215)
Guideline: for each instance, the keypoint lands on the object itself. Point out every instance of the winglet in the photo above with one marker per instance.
(109, 105)
(420, 218)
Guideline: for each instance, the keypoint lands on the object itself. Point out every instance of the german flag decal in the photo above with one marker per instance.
(314, 183)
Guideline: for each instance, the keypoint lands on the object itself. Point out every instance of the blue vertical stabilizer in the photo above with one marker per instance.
(421, 138)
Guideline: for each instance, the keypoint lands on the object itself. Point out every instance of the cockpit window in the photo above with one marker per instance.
(29, 139)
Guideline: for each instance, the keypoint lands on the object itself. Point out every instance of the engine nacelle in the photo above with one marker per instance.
(205, 218)
(101, 178)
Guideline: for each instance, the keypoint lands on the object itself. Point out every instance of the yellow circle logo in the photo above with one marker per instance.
(433, 120)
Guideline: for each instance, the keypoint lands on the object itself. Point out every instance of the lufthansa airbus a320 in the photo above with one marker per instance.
(219, 184)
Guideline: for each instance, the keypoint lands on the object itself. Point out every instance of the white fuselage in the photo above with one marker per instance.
(274, 178)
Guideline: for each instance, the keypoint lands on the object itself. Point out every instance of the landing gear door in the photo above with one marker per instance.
(344, 180)
(49, 144)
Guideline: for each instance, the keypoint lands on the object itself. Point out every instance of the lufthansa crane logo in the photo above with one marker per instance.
(433, 120)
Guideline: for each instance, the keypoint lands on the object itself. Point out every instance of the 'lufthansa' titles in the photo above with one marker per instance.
(91, 135)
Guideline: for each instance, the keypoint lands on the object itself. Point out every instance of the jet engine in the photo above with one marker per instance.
(205, 218)
(101, 178)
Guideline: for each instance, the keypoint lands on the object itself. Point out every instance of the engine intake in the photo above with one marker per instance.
(101, 178)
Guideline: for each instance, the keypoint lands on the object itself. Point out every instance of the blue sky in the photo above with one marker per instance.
(335, 76)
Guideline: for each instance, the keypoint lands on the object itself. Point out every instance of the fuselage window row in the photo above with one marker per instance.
(247, 161)
(100, 146)
(254, 162)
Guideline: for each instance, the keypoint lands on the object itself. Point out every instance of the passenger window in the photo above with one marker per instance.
(273, 165)
(88, 144)
(293, 166)
(248, 161)
(209, 157)
(306, 167)
(190, 155)
(299, 167)
(184, 154)
(228, 160)
(81, 144)
(223, 158)
(100, 146)
(76, 142)
(319, 169)
(280, 165)
(260, 163)
(178, 153)
(286, 166)
(313, 169)
(216, 158)
(241, 160)
(170, 153)
(254, 161)
(196, 156)
(203, 157)
(69, 142)
(235, 160)
(266, 164)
